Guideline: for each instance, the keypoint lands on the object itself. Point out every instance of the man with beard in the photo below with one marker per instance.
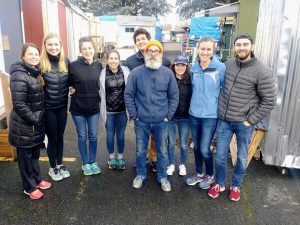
(151, 98)
(141, 37)
(247, 96)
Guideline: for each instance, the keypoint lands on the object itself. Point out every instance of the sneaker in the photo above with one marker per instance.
(36, 194)
(137, 182)
(234, 194)
(63, 171)
(205, 184)
(197, 178)
(165, 185)
(153, 164)
(121, 164)
(112, 164)
(43, 185)
(54, 174)
(87, 170)
(182, 170)
(95, 168)
(215, 190)
(170, 170)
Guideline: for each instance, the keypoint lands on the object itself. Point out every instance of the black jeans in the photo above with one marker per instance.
(28, 161)
(56, 120)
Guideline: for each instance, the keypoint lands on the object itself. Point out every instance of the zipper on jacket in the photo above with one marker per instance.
(230, 92)
(33, 129)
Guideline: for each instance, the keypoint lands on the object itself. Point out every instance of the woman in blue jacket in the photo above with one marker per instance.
(207, 75)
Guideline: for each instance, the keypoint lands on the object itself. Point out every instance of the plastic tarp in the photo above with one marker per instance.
(107, 18)
(158, 34)
(205, 26)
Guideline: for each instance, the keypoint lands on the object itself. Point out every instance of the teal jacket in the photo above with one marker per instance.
(206, 86)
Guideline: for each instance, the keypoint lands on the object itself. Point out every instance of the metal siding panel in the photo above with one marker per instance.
(278, 45)
(63, 26)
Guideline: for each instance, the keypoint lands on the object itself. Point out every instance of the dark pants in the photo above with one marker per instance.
(56, 120)
(28, 161)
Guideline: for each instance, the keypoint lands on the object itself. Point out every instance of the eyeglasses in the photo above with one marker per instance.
(151, 52)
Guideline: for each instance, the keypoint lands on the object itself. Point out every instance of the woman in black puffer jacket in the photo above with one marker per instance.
(55, 73)
(26, 125)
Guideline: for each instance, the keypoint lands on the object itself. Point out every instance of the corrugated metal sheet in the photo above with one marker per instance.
(278, 45)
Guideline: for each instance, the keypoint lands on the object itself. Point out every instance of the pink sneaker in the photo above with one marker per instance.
(234, 194)
(44, 185)
(36, 194)
(215, 190)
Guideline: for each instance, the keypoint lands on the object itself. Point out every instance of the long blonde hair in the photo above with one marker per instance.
(45, 62)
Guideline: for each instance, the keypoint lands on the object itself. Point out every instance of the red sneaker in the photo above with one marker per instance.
(215, 190)
(44, 185)
(36, 194)
(235, 194)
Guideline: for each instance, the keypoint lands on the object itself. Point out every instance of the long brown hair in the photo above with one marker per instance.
(185, 76)
(45, 62)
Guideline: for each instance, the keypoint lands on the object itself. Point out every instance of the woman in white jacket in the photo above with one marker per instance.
(113, 79)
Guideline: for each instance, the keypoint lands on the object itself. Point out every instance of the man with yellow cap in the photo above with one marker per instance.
(141, 37)
(151, 98)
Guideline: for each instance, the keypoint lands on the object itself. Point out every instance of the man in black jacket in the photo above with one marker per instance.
(247, 96)
(141, 37)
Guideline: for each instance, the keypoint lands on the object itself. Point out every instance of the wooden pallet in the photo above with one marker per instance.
(253, 147)
(6, 150)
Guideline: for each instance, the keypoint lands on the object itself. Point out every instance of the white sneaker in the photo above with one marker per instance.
(182, 170)
(170, 170)
(54, 174)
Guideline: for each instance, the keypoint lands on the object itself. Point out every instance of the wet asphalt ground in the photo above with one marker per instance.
(267, 196)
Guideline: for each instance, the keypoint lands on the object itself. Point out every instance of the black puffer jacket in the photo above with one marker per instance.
(26, 125)
(185, 95)
(56, 86)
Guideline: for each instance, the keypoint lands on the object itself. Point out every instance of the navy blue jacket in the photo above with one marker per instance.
(151, 95)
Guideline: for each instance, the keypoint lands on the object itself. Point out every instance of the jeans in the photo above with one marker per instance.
(225, 130)
(87, 127)
(160, 132)
(115, 126)
(203, 130)
(183, 129)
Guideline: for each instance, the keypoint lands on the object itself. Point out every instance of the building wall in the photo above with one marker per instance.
(11, 27)
(248, 16)
(33, 21)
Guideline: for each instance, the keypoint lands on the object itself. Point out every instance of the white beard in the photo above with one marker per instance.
(153, 64)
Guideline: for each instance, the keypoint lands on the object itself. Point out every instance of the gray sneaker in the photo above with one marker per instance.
(137, 182)
(206, 182)
(63, 171)
(197, 178)
(54, 174)
(165, 185)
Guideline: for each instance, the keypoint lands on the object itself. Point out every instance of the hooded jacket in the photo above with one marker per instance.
(84, 77)
(26, 125)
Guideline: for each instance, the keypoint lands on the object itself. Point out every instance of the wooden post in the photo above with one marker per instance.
(6, 149)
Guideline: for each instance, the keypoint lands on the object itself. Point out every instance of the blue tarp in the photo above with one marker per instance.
(107, 18)
(205, 26)
(158, 34)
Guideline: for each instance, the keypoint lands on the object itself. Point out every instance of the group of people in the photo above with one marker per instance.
(207, 98)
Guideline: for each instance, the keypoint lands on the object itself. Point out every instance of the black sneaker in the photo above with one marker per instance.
(153, 164)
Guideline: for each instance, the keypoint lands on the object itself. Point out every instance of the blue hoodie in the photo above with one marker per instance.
(206, 85)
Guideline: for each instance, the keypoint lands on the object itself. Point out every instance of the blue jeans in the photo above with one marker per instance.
(160, 132)
(115, 126)
(87, 127)
(225, 130)
(183, 129)
(203, 130)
